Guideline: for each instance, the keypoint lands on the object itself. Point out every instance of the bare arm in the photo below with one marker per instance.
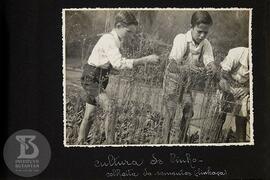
(146, 59)
(226, 84)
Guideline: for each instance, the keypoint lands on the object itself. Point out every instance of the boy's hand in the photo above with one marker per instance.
(224, 85)
(152, 58)
(211, 68)
(146, 59)
(196, 69)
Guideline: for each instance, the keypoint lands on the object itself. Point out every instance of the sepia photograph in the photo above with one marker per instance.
(157, 77)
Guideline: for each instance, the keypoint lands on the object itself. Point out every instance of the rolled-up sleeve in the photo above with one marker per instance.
(178, 49)
(114, 56)
(208, 53)
(229, 62)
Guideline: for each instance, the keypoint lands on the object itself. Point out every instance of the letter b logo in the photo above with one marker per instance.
(27, 153)
(28, 150)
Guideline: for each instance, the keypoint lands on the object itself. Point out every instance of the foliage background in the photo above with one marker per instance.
(230, 29)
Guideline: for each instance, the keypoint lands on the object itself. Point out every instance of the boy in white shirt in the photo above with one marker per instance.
(191, 54)
(235, 85)
(95, 76)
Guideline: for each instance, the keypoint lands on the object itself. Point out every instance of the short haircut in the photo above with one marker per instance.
(125, 18)
(201, 17)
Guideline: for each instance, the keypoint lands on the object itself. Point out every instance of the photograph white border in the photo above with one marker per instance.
(160, 9)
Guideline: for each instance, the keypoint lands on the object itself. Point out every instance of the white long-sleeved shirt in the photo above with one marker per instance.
(180, 46)
(236, 63)
(107, 52)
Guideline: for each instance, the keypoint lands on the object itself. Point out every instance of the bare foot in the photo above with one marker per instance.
(79, 142)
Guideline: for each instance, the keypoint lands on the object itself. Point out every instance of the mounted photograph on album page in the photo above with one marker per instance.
(160, 76)
(136, 90)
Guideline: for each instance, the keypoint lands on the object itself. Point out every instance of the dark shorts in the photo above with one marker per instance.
(94, 81)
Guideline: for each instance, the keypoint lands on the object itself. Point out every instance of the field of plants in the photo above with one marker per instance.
(137, 98)
(137, 113)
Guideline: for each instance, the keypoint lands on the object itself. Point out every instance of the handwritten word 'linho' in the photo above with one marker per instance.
(187, 159)
(115, 161)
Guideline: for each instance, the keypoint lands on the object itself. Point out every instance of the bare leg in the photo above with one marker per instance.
(86, 123)
(187, 115)
(109, 124)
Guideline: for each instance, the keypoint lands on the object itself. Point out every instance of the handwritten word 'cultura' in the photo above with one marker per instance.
(115, 161)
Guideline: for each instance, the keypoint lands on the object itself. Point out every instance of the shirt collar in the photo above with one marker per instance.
(189, 37)
(116, 38)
